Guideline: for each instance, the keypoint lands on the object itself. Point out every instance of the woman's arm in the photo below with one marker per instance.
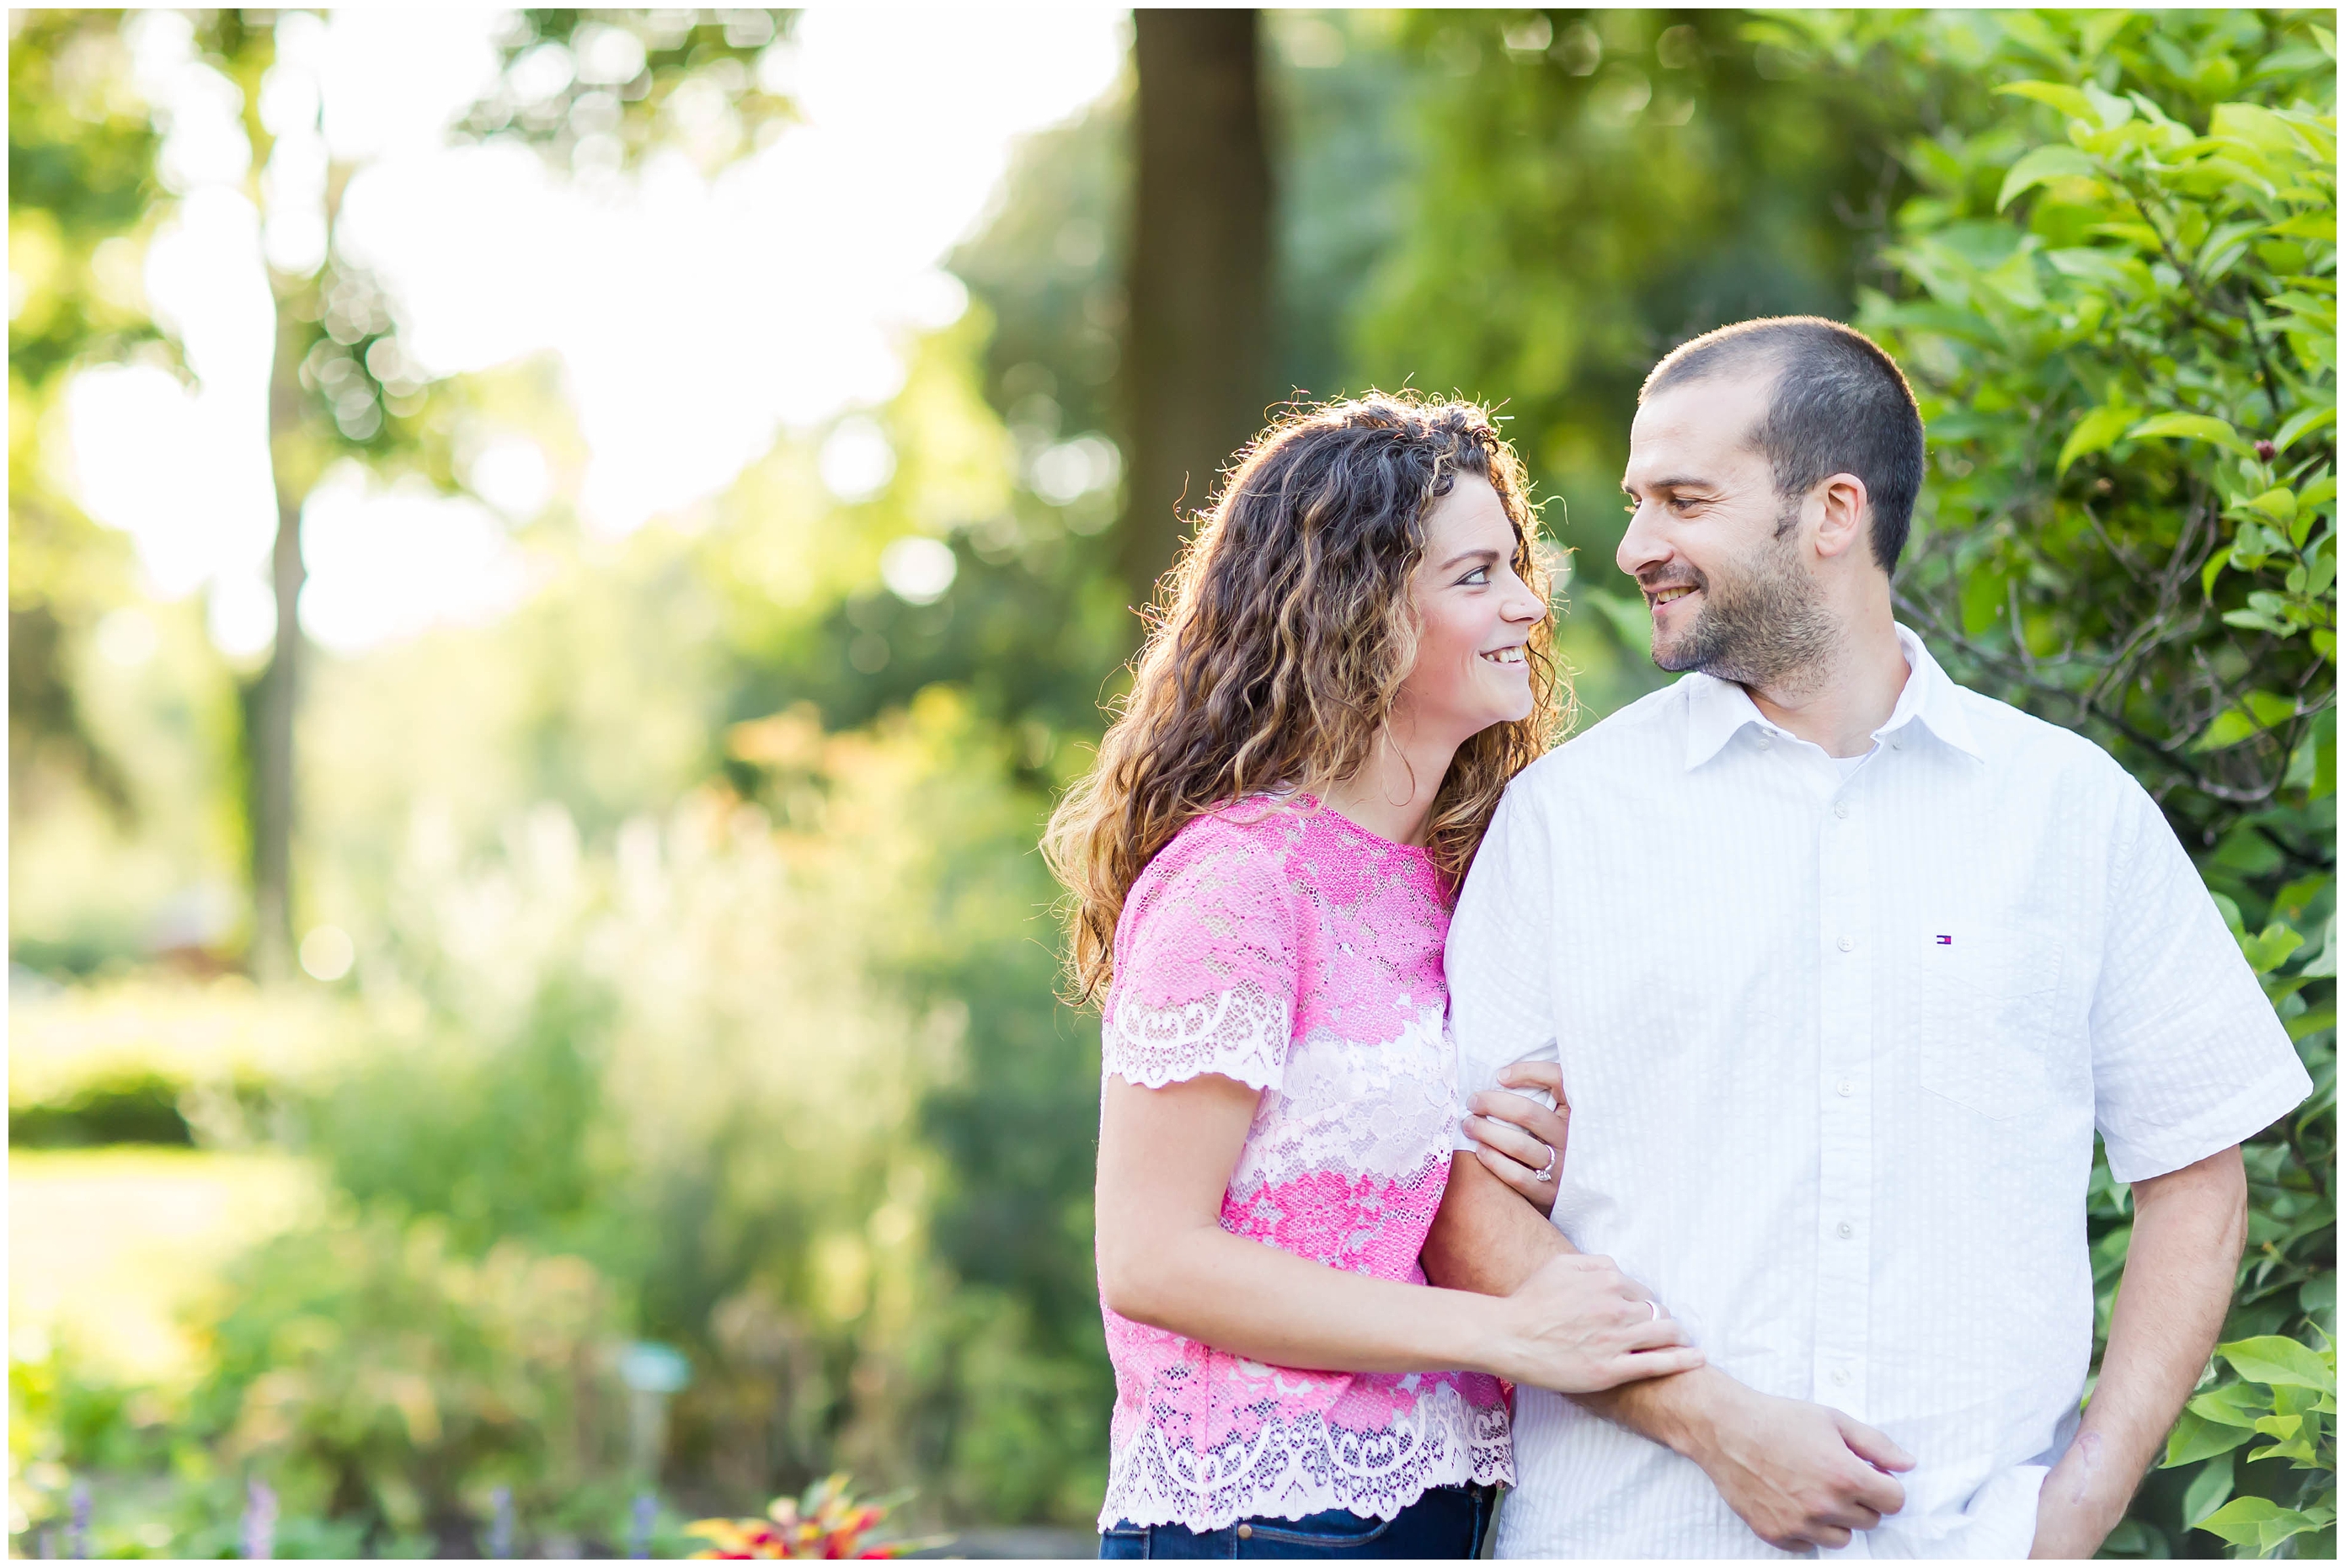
(1165, 1159)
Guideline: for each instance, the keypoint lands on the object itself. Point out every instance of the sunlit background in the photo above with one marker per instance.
(558, 561)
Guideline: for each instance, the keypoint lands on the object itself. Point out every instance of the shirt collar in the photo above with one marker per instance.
(1717, 711)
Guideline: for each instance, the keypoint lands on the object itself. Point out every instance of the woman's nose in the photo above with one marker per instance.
(1527, 608)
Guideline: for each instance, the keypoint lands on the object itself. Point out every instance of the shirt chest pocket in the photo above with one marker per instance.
(1984, 998)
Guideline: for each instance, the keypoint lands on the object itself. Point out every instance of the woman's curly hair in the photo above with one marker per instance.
(1279, 641)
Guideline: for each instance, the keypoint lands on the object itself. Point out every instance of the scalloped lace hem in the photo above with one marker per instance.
(1241, 1033)
(1304, 1465)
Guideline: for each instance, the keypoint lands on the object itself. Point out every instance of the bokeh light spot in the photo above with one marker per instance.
(857, 462)
(918, 570)
(327, 952)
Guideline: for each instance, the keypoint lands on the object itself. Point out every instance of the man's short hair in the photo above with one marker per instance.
(1839, 405)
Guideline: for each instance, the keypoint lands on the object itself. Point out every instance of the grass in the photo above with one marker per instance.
(108, 1247)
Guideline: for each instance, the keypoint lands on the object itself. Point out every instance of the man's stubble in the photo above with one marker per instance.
(1764, 626)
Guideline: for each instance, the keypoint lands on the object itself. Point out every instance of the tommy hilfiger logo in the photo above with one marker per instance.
(1945, 941)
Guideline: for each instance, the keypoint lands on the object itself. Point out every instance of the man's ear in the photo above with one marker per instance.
(1847, 515)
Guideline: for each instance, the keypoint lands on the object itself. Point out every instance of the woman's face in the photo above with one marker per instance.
(1474, 615)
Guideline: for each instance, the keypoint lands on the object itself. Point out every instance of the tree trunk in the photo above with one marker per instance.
(276, 704)
(1197, 365)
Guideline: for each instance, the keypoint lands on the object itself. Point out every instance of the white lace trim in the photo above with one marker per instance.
(1382, 1108)
(1241, 1033)
(1299, 1464)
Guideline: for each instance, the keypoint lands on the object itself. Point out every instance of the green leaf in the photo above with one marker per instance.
(2215, 565)
(2283, 1362)
(2255, 713)
(2278, 504)
(2192, 428)
(2307, 225)
(2069, 101)
(1984, 599)
(2041, 165)
(2194, 1438)
(2240, 1520)
(2229, 908)
(2267, 951)
(2324, 965)
(2209, 1489)
(2254, 124)
(2239, 1405)
(2112, 110)
(2095, 432)
(2302, 423)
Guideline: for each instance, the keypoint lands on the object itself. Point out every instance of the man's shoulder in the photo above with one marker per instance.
(1647, 732)
(2012, 737)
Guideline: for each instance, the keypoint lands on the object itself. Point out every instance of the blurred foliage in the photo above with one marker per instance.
(82, 201)
(704, 973)
(142, 1108)
(393, 1380)
(597, 91)
(1597, 186)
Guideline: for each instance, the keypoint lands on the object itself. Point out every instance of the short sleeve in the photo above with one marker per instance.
(2188, 1057)
(1502, 952)
(1208, 960)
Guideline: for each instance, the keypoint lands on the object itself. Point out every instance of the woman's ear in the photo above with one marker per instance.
(1847, 515)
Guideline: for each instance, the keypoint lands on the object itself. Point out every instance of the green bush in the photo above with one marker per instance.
(140, 1108)
(377, 1375)
(2118, 308)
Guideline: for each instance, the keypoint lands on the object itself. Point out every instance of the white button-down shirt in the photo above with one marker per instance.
(1836, 1046)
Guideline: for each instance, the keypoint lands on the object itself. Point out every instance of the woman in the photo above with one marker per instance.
(1353, 664)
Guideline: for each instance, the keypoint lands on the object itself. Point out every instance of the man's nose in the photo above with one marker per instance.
(1641, 546)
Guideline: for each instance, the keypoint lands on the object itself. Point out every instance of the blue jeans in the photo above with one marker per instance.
(1447, 1522)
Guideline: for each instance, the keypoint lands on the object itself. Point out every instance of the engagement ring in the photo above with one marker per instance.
(1545, 1172)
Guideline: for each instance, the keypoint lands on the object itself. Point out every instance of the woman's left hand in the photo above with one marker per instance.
(1518, 1139)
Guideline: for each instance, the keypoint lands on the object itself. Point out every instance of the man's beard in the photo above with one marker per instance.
(1760, 627)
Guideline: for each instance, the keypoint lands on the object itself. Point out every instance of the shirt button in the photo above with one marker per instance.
(1846, 1229)
(1840, 1378)
(1847, 1087)
(1848, 943)
(1840, 808)
(1245, 1532)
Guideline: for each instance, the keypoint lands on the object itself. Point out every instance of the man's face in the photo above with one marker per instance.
(1721, 556)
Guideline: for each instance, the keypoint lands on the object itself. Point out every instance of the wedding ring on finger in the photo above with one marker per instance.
(1545, 1172)
(1656, 1306)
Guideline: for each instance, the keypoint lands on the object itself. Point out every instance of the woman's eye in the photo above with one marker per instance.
(1478, 578)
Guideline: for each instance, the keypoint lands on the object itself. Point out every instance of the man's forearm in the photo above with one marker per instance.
(2188, 1229)
(1486, 1240)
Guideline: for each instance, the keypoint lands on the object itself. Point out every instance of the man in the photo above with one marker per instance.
(1841, 966)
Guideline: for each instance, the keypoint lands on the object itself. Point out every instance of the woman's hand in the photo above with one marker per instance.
(1578, 1325)
(1516, 1135)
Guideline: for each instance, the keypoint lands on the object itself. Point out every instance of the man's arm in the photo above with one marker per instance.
(2188, 1228)
(1798, 1473)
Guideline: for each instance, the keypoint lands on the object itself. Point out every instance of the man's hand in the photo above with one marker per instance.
(1799, 1474)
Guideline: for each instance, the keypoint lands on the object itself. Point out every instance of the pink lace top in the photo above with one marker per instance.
(1283, 946)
